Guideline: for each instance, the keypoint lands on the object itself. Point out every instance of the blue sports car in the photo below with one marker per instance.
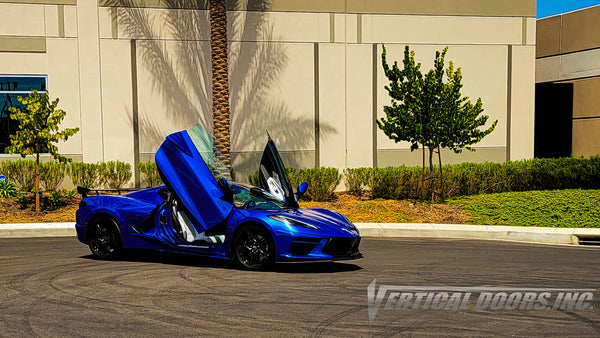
(198, 211)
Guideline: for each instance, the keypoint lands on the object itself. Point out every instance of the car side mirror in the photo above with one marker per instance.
(301, 189)
(165, 194)
(225, 188)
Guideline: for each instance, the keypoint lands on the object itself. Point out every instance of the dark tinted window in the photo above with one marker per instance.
(23, 84)
(11, 87)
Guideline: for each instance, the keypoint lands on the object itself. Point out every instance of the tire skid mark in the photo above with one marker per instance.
(327, 324)
(23, 287)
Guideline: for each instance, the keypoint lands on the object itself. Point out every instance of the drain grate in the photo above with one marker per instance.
(589, 240)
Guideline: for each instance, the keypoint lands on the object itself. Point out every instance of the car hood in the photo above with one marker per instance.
(183, 162)
(324, 219)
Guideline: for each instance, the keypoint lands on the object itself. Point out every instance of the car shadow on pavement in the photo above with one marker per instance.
(208, 262)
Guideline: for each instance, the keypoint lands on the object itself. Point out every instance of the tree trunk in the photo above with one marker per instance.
(441, 174)
(37, 182)
(220, 78)
(431, 173)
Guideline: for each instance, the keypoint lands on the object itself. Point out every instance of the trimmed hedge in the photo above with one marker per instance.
(480, 178)
(85, 174)
(20, 173)
(356, 179)
(150, 174)
(321, 182)
(52, 174)
(115, 174)
(389, 183)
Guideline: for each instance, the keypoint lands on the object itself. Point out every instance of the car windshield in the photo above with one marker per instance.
(249, 197)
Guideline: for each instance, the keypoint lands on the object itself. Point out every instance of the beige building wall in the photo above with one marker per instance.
(485, 75)
(520, 118)
(307, 72)
(568, 51)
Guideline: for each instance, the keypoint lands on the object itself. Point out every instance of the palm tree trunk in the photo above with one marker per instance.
(220, 77)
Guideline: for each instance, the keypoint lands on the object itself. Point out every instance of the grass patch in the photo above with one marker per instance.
(553, 208)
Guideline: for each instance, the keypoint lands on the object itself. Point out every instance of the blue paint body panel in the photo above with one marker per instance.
(146, 221)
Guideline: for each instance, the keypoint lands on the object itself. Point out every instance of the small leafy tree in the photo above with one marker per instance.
(38, 131)
(426, 110)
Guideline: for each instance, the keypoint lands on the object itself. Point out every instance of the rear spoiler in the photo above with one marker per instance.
(85, 191)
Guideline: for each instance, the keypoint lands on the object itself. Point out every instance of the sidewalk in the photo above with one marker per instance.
(493, 232)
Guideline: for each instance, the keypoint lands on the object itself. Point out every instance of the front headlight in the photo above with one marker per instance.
(350, 224)
(293, 222)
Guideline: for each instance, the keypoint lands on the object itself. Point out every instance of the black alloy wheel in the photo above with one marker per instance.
(253, 248)
(104, 238)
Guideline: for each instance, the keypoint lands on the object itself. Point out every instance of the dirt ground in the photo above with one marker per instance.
(362, 209)
(13, 212)
(357, 209)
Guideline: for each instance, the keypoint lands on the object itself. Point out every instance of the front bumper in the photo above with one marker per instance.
(307, 249)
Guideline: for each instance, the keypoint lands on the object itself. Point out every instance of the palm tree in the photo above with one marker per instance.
(220, 78)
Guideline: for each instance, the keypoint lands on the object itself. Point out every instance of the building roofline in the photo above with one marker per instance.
(569, 12)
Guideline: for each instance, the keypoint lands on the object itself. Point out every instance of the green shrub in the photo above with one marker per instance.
(23, 201)
(475, 178)
(150, 174)
(321, 182)
(294, 177)
(52, 174)
(7, 189)
(115, 174)
(356, 180)
(84, 174)
(56, 198)
(70, 194)
(253, 179)
(484, 178)
(385, 182)
(410, 182)
(20, 173)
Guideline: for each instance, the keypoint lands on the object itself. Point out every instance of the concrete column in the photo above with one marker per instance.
(332, 120)
(360, 106)
(522, 96)
(90, 81)
(117, 98)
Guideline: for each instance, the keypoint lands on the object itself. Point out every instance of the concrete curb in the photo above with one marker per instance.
(428, 230)
(495, 232)
(23, 230)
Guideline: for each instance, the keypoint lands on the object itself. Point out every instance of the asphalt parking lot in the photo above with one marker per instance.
(52, 287)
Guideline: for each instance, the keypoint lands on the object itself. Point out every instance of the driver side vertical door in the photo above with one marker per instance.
(184, 171)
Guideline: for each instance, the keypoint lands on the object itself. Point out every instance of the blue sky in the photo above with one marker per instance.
(551, 7)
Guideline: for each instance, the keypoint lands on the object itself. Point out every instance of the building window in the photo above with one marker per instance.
(12, 87)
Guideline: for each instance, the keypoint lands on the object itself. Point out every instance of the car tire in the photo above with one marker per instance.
(105, 238)
(253, 248)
